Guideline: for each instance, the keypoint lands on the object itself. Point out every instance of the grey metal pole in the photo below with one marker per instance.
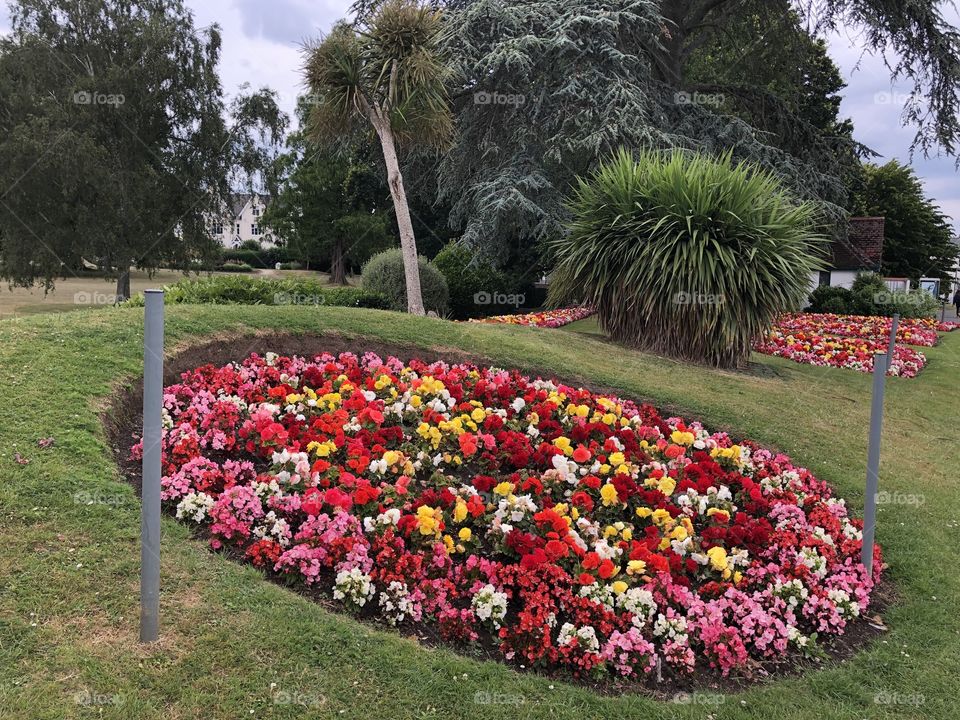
(150, 493)
(892, 348)
(873, 461)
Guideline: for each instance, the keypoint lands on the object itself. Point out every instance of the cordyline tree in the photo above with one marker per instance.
(114, 148)
(386, 71)
(544, 88)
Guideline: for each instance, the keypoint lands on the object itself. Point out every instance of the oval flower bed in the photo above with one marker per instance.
(565, 529)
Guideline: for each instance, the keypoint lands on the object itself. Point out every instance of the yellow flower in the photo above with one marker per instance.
(609, 494)
(478, 415)
(661, 516)
(636, 567)
(428, 520)
(504, 488)
(619, 587)
(718, 558)
(391, 457)
(682, 438)
(643, 512)
(460, 511)
(616, 458)
(667, 485)
(448, 542)
(465, 534)
(627, 534)
(415, 401)
(679, 533)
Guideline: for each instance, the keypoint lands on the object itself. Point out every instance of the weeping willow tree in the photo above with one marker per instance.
(686, 255)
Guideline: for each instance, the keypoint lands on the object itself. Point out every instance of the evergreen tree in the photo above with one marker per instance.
(917, 236)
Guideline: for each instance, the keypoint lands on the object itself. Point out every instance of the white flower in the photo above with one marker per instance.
(518, 404)
(489, 604)
(194, 506)
(354, 586)
(586, 636)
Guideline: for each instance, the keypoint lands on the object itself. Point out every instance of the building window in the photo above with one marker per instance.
(824, 278)
(255, 230)
(217, 228)
(256, 211)
(236, 228)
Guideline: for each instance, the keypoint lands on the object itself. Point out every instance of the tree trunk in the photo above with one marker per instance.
(408, 243)
(123, 285)
(338, 271)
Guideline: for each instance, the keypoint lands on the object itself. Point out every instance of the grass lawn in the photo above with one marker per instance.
(77, 293)
(234, 646)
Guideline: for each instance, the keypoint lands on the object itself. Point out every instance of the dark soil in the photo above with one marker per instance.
(123, 423)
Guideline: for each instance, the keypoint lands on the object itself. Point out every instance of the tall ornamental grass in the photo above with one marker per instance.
(686, 255)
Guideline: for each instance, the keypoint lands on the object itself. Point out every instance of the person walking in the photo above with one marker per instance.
(956, 300)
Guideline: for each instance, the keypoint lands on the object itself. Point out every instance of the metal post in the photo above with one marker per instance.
(891, 350)
(150, 493)
(873, 461)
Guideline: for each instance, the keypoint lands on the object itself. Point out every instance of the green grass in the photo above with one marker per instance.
(69, 571)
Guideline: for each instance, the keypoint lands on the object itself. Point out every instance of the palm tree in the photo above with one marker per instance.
(387, 72)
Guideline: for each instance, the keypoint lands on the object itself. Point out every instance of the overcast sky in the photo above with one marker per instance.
(262, 39)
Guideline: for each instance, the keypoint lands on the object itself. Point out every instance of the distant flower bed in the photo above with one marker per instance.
(810, 348)
(572, 531)
(911, 331)
(545, 318)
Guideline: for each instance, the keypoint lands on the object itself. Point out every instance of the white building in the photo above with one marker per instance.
(242, 221)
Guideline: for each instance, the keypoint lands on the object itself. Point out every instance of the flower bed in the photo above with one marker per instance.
(545, 318)
(569, 530)
(811, 348)
(911, 331)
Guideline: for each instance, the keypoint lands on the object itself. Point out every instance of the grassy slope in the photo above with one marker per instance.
(68, 571)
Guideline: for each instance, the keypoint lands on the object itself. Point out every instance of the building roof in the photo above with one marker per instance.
(238, 201)
(862, 248)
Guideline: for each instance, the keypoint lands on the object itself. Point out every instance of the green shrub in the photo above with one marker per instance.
(241, 290)
(831, 299)
(235, 267)
(686, 255)
(383, 274)
(467, 278)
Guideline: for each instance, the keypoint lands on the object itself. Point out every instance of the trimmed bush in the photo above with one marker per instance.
(831, 299)
(467, 277)
(869, 295)
(686, 255)
(263, 291)
(383, 275)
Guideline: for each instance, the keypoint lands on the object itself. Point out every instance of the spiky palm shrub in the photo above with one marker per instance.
(686, 255)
